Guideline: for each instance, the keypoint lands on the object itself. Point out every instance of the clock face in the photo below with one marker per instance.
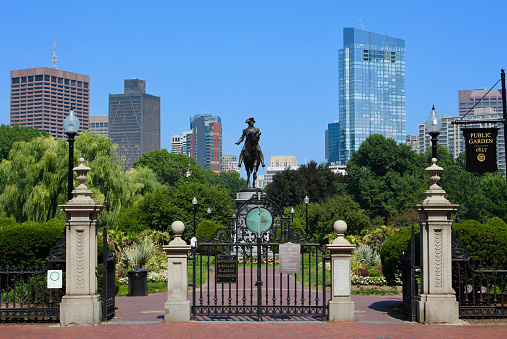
(259, 220)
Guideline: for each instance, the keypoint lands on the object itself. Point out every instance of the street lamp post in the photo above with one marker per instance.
(194, 202)
(433, 125)
(71, 127)
(209, 213)
(292, 214)
(307, 201)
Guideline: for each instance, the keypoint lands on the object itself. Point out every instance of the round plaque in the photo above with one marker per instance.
(256, 214)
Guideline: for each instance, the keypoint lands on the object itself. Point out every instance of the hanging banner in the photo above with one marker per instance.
(480, 149)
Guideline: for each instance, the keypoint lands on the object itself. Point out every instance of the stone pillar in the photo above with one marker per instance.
(177, 307)
(438, 301)
(341, 306)
(81, 304)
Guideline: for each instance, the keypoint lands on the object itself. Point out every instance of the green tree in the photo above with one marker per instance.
(160, 208)
(231, 181)
(385, 177)
(318, 182)
(170, 167)
(10, 135)
(33, 180)
(321, 216)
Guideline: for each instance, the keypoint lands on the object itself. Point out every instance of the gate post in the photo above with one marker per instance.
(177, 306)
(438, 302)
(341, 306)
(81, 304)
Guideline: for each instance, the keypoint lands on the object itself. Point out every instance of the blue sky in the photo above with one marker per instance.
(276, 61)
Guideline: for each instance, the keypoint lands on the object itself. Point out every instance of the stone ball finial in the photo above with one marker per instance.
(178, 228)
(340, 226)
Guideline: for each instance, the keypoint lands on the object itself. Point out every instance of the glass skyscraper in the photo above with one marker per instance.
(371, 89)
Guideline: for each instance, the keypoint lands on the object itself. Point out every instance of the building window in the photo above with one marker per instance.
(15, 80)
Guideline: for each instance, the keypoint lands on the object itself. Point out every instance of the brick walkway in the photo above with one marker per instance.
(141, 317)
(256, 330)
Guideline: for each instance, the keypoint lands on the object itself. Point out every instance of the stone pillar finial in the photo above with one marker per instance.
(340, 227)
(435, 194)
(178, 228)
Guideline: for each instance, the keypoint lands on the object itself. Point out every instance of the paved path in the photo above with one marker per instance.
(142, 317)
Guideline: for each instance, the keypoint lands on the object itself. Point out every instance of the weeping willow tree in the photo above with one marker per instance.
(33, 179)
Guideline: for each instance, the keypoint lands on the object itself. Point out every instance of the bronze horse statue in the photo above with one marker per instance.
(251, 157)
(251, 153)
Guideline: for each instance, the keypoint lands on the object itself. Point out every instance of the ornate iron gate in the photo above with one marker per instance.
(240, 273)
(107, 290)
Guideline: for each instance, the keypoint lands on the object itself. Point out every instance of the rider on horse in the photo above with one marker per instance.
(250, 131)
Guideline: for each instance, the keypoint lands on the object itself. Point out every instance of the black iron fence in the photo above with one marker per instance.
(480, 290)
(24, 292)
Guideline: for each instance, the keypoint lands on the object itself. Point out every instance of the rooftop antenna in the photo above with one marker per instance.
(54, 52)
(361, 24)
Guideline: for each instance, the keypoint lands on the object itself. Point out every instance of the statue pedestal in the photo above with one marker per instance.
(245, 194)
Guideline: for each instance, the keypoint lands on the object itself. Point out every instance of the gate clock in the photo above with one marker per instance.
(259, 220)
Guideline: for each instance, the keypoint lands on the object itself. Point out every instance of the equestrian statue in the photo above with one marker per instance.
(251, 153)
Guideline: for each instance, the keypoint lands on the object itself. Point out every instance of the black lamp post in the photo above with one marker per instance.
(194, 202)
(292, 214)
(433, 125)
(307, 201)
(71, 127)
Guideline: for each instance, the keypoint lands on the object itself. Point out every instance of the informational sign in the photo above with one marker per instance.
(226, 267)
(290, 258)
(480, 149)
(55, 279)
(259, 220)
(341, 274)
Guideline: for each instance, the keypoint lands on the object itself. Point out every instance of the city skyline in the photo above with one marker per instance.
(275, 62)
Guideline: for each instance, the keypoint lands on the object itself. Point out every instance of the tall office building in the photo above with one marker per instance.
(413, 142)
(277, 164)
(371, 89)
(206, 141)
(181, 144)
(229, 164)
(333, 142)
(134, 121)
(98, 125)
(42, 97)
(468, 98)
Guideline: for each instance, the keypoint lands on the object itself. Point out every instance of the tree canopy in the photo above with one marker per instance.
(33, 180)
(160, 208)
(318, 182)
(10, 135)
(385, 177)
(170, 167)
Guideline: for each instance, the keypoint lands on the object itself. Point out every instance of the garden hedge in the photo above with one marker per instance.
(28, 242)
(392, 249)
(486, 243)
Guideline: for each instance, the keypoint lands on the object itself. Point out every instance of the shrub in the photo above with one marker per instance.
(28, 242)
(484, 242)
(205, 230)
(6, 222)
(391, 251)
